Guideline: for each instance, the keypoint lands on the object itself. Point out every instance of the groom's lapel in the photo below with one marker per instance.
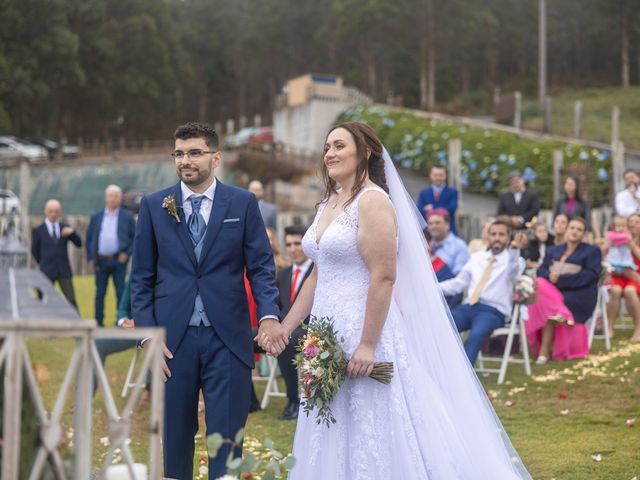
(219, 209)
(181, 227)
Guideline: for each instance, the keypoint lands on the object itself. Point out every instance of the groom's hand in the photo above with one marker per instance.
(166, 373)
(272, 336)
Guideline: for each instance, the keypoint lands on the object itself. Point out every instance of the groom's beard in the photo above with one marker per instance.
(193, 177)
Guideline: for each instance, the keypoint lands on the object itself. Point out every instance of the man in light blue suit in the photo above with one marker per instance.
(439, 195)
(194, 242)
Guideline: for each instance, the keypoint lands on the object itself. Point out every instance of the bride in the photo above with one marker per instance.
(374, 279)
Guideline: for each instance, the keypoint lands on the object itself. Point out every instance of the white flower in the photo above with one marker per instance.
(227, 477)
(318, 372)
(203, 470)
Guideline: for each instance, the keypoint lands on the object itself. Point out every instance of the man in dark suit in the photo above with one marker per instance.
(49, 242)
(519, 204)
(194, 242)
(289, 282)
(439, 195)
(109, 245)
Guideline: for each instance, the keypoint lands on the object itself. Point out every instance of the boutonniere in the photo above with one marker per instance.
(169, 204)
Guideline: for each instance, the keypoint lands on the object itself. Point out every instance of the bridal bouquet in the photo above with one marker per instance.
(524, 292)
(322, 364)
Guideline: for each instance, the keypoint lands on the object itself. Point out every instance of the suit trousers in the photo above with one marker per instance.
(66, 285)
(108, 268)
(203, 361)
(481, 320)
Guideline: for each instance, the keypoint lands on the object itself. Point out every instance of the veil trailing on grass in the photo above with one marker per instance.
(470, 431)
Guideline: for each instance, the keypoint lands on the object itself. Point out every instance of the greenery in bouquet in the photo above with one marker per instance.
(524, 291)
(261, 461)
(322, 364)
(487, 155)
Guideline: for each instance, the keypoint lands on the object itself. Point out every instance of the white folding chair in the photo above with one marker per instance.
(513, 328)
(128, 383)
(600, 311)
(271, 389)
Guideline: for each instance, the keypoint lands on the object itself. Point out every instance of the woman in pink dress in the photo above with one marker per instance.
(566, 297)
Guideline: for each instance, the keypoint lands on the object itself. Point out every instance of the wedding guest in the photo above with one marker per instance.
(572, 203)
(617, 248)
(628, 200)
(627, 285)
(487, 276)
(49, 247)
(567, 292)
(439, 195)
(560, 224)
(109, 246)
(444, 243)
(534, 253)
(443, 272)
(268, 210)
(520, 203)
(289, 282)
(482, 243)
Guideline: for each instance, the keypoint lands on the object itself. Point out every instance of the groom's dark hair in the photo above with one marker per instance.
(197, 130)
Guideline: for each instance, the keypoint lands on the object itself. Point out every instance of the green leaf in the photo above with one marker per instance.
(214, 442)
(289, 462)
(268, 443)
(239, 436)
(269, 475)
(235, 463)
(324, 355)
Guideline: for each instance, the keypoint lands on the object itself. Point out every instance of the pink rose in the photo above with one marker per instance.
(310, 351)
(307, 380)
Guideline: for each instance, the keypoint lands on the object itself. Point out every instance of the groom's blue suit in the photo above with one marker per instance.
(165, 279)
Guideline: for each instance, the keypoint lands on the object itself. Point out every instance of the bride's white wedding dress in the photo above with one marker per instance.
(421, 426)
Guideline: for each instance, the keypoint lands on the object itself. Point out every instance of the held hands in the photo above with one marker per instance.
(272, 336)
(361, 363)
(553, 277)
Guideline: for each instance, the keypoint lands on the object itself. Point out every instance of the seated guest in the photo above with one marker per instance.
(520, 203)
(444, 243)
(534, 253)
(289, 281)
(443, 272)
(439, 195)
(628, 200)
(567, 292)
(572, 203)
(489, 277)
(560, 224)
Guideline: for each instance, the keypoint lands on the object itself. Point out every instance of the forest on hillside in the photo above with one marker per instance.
(134, 69)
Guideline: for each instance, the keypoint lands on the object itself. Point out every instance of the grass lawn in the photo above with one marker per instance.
(597, 104)
(558, 419)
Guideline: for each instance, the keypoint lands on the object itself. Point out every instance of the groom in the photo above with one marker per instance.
(194, 242)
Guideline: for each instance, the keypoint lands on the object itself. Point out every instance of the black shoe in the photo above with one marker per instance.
(290, 412)
(254, 407)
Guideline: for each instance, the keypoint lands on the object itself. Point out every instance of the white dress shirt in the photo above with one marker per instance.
(625, 203)
(53, 228)
(303, 267)
(518, 196)
(205, 206)
(498, 290)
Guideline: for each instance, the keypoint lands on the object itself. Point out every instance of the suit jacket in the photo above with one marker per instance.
(283, 282)
(126, 233)
(528, 207)
(52, 256)
(580, 290)
(448, 200)
(166, 276)
(580, 209)
(269, 214)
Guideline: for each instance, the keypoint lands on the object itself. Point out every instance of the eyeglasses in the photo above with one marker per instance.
(191, 154)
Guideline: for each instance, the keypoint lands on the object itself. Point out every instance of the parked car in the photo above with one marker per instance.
(240, 139)
(56, 149)
(9, 202)
(132, 197)
(12, 148)
(263, 140)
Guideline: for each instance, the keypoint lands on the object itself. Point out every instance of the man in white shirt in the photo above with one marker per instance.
(488, 278)
(628, 200)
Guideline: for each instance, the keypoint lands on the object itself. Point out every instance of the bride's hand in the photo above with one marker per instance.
(361, 363)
